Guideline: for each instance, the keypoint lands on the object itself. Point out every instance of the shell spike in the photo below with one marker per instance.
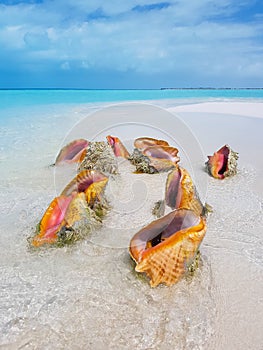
(117, 146)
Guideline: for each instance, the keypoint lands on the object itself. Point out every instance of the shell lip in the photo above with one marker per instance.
(72, 152)
(144, 142)
(111, 140)
(173, 191)
(161, 152)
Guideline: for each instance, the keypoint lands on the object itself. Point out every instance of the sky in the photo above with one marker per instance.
(122, 44)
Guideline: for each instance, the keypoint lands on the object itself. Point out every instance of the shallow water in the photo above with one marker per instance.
(88, 295)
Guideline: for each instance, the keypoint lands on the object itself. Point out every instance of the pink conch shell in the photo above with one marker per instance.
(166, 248)
(144, 142)
(91, 182)
(72, 152)
(52, 220)
(180, 192)
(117, 147)
(162, 158)
(64, 220)
(223, 163)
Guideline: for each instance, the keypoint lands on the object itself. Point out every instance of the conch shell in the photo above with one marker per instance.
(222, 163)
(166, 248)
(117, 146)
(144, 142)
(72, 210)
(155, 159)
(162, 158)
(72, 152)
(52, 220)
(65, 220)
(180, 192)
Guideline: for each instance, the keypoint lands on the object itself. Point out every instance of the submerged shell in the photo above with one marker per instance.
(72, 152)
(144, 142)
(180, 192)
(222, 163)
(99, 156)
(91, 182)
(117, 146)
(166, 248)
(155, 159)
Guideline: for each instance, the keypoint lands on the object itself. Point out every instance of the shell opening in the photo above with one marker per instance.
(173, 191)
(225, 152)
(162, 229)
(178, 223)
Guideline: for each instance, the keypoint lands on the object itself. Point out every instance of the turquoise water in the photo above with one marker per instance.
(71, 297)
(17, 98)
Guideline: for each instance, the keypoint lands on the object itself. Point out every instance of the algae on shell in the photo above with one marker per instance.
(99, 156)
(141, 162)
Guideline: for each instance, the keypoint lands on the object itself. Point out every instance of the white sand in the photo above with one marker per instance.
(88, 295)
(217, 123)
(247, 109)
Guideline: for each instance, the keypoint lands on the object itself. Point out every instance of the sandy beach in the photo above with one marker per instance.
(88, 295)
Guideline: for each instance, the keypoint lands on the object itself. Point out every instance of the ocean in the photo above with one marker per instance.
(25, 97)
(88, 295)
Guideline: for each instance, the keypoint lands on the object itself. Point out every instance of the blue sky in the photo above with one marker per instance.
(131, 43)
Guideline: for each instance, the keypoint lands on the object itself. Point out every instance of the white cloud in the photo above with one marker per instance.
(184, 37)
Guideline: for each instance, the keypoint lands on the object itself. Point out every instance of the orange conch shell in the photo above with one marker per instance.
(91, 182)
(52, 220)
(166, 248)
(65, 220)
(154, 159)
(180, 192)
(117, 146)
(70, 207)
(222, 163)
(72, 152)
(144, 142)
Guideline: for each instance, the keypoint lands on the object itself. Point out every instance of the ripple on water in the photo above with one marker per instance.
(89, 296)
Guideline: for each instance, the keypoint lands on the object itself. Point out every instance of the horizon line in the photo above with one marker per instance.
(133, 89)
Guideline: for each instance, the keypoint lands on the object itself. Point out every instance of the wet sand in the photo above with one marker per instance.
(88, 295)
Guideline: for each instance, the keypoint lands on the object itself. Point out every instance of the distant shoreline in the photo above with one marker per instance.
(157, 89)
(213, 88)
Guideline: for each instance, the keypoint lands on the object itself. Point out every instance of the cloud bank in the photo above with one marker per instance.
(131, 44)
